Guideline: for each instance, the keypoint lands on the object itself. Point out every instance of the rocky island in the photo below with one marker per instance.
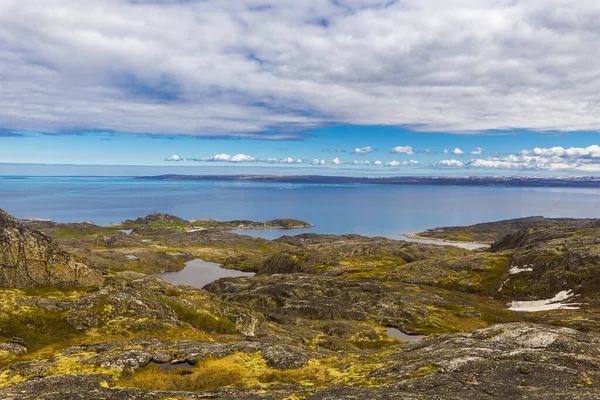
(83, 315)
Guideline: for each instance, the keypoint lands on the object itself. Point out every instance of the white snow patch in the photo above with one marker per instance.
(132, 257)
(517, 270)
(502, 286)
(555, 303)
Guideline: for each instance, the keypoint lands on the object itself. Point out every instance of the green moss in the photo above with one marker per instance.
(200, 319)
(424, 371)
(37, 327)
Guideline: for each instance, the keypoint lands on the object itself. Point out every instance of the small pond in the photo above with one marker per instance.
(398, 334)
(199, 273)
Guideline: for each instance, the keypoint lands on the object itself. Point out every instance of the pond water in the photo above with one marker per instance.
(199, 273)
(398, 334)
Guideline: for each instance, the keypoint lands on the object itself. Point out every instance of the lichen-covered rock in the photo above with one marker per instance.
(13, 348)
(28, 258)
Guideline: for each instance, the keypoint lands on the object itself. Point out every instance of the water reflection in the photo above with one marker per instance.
(199, 273)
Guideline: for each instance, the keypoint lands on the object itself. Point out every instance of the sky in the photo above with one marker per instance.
(363, 87)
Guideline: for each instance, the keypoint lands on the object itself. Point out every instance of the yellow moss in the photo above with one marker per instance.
(426, 370)
(8, 379)
(244, 370)
(70, 366)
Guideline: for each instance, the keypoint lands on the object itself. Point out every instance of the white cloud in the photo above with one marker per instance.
(365, 162)
(336, 161)
(174, 158)
(458, 152)
(364, 150)
(165, 67)
(394, 163)
(403, 150)
(477, 151)
(584, 159)
(451, 163)
(377, 163)
(238, 158)
(446, 151)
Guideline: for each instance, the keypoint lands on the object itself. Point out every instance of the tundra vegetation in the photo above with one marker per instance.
(83, 316)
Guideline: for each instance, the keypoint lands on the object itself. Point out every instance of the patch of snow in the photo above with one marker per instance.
(555, 303)
(176, 254)
(130, 257)
(126, 231)
(517, 270)
(195, 230)
(146, 240)
(502, 286)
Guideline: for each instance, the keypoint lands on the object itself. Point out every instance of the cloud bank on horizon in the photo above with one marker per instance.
(575, 159)
(258, 70)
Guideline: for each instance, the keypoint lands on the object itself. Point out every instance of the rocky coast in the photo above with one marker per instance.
(84, 316)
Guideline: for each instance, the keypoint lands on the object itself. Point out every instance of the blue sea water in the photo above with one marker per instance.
(374, 210)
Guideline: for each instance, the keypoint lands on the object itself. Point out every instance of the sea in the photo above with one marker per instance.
(371, 210)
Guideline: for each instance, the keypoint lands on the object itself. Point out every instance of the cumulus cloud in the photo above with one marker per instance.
(165, 67)
(403, 150)
(477, 151)
(364, 150)
(585, 159)
(446, 151)
(335, 161)
(451, 163)
(361, 162)
(238, 158)
(394, 163)
(378, 163)
(458, 152)
(174, 158)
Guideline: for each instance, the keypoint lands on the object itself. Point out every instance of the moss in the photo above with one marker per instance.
(424, 371)
(37, 327)
(59, 292)
(201, 319)
(70, 366)
(375, 344)
(244, 370)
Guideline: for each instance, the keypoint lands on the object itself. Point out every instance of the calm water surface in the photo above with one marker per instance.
(199, 273)
(373, 210)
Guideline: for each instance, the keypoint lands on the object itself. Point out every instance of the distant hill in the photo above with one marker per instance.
(516, 181)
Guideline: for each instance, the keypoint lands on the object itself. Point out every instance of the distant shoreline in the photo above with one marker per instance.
(516, 181)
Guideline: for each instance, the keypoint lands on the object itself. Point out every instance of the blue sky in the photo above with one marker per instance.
(490, 87)
(119, 149)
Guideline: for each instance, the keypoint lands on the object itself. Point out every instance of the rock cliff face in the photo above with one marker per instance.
(28, 259)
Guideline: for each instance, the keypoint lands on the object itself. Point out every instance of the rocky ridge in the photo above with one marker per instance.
(28, 258)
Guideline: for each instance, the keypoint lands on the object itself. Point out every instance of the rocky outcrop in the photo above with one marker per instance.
(507, 361)
(28, 258)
